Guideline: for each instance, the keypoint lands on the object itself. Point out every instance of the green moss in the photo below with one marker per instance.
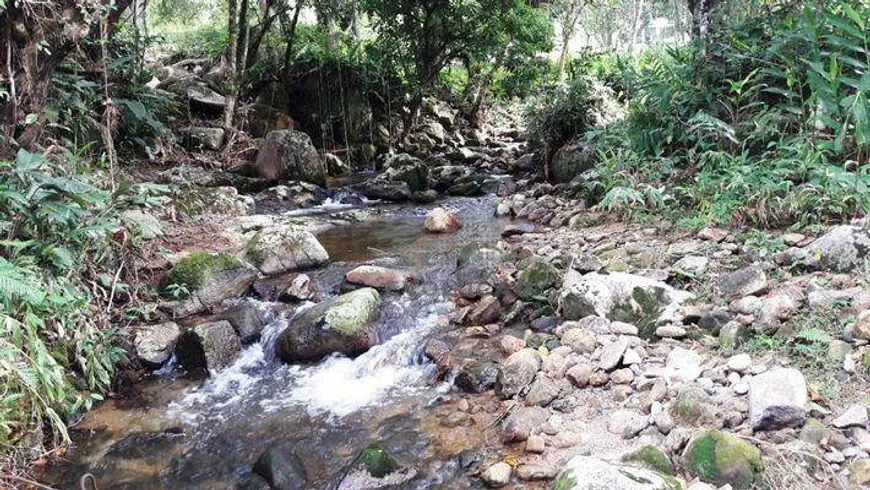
(723, 459)
(377, 461)
(653, 458)
(353, 310)
(564, 481)
(193, 271)
(535, 279)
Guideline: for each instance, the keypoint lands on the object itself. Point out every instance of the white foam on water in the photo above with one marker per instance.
(336, 386)
(339, 386)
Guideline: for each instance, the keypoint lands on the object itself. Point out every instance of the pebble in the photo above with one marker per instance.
(740, 363)
(535, 444)
(671, 332)
(497, 475)
(740, 388)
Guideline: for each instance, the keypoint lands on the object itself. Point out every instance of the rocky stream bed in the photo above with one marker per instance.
(454, 322)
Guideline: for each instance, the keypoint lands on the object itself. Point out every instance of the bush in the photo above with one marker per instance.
(765, 125)
(57, 348)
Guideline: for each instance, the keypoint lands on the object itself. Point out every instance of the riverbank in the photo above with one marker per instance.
(537, 332)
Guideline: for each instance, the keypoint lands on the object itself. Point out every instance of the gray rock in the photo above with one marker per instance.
(571, 161)
(542, 391)
(747, 281)
(590, 473)
(692, 265)
(523, 422)
(290, 155)
(281, 249)
(627, 423)
(497, 475)
(841, 249)
(154, 344)
(854, 416)
(476, 377)
(246, 319)
(206, 138)
(345, 324)
(382, 188)
(211, 346)
(486, 311)
(516, 372)
(777, 399)
(379, 278)
(580, 340)
(611, 354)
(579, 374)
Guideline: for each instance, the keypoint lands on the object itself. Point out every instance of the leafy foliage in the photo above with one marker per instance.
(57, 352)
(763, 125)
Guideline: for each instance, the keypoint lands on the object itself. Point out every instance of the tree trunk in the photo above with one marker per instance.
(232, 65)
(289, 29)
(36, 41)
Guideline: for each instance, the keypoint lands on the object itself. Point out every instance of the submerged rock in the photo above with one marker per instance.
(281, 468)
(590, 473)
(440, 220)
(290, 155)
(379, 278)
(210, 346)
(723, 459)
(345, 324)
(282, 249)
(154, 344)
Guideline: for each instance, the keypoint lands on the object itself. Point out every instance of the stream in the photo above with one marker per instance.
(206, 434)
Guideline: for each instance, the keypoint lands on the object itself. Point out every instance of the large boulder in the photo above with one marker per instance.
(407, 169)
(777, 399)
(841, 249)
(345, 324)
(154, 344)
(603, 294)
(590, 473)
(571, 161)
(382, 188)
(290, 155)
(284, 249)
(203, 280)
(210, 346)
(723, 459)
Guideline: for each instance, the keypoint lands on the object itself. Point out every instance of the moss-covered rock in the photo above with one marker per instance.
(723, 459)
(345, 324)
(535, 279)
(191, 273)
(653, 458)
(694, 407)
(284, 249)
(378, 462)
(589, 473)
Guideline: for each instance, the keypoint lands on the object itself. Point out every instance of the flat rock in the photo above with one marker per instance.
(854, 416)
(777, 399)
(747, 281)
(379, 278)
(612, 354)
(154, 344)
(590, 473)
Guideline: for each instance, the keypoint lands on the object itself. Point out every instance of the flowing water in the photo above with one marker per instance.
(184, 433)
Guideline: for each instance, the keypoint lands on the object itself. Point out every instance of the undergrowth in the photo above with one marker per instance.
(62, 257)
(765, 124)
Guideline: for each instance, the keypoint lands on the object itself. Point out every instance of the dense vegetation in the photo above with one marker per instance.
(764, 123)
(754, 114)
